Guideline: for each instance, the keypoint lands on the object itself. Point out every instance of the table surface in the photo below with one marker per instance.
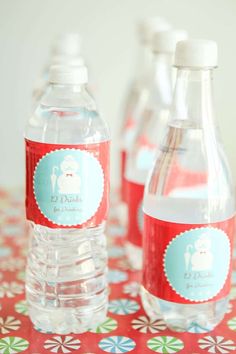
(127, 328)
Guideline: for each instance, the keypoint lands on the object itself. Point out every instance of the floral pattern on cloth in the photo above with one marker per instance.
(127, 329)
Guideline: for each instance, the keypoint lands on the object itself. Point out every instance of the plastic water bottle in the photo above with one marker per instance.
(67, 186)
(189, 205)
(65, 50)
(152, 128)
(137, 93)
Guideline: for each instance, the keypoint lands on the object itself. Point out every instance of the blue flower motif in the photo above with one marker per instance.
(116, 252)
(117, 344)
(14, 212)
(116, 230)
(5, 251)
(123, 306)
(116, 276)
(13, 230)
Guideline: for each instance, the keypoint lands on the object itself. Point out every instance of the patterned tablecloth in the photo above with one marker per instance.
(127, 328)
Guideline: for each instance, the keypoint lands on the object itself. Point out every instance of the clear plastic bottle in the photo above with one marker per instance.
(189, 205)
(137, 94)
(149, 134)
(67, 165)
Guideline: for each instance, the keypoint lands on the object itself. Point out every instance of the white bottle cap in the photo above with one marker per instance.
(196, 53)
(147, 27)
(67, 60)
(165, 41)
(67, 44)
(61, 74)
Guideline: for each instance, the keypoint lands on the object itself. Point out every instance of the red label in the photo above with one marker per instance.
(135, 213)
(67, 186)
(186, 263)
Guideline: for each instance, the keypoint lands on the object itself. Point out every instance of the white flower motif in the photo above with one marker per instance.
(60, 344)
(12, 264)
(216, 344)
(116, 276)
(145, 325)
(10, 289)
(9, 324)
(132, 288)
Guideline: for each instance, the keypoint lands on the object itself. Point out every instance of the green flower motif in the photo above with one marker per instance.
(21, 307)
(13, 345)
(108, 326)
(165, 344)
(232, 324)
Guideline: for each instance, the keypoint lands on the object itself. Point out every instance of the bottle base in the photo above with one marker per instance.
(134, 255)
(193, 318)
(66, 320)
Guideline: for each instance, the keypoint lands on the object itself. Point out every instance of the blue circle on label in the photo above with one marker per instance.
(68, 186)
(196, 263)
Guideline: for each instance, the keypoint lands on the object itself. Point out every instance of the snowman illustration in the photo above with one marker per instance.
(69, 181)
(201, 258)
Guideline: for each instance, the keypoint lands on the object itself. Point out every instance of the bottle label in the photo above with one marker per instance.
(67, 185)
(135, 212)
(186, 263)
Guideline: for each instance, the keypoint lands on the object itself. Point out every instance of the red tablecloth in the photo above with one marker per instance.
(127, 328)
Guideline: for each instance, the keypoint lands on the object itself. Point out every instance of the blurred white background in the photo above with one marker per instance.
(27, 28)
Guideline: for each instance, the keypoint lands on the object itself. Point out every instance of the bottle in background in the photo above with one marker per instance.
(189, 205)
(68, 44)
(65, 50)
(67, 187)
(149, 135)
(137, 94)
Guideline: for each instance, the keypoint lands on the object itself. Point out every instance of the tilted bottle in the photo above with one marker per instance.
(152, 128)
(137, 94)
(189, 205)
(67, 186)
